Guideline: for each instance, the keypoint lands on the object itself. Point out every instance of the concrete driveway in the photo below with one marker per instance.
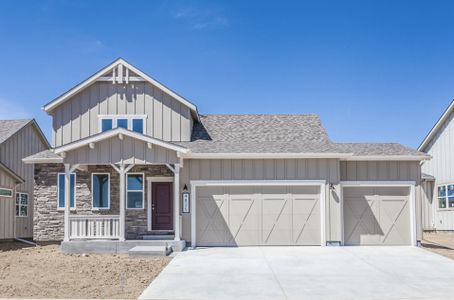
(305, 273)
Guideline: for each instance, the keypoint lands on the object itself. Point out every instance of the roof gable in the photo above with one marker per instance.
(119, 71)
(8, 128)
(438, 125)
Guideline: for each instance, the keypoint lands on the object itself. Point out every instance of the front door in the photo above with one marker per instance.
(161, 206)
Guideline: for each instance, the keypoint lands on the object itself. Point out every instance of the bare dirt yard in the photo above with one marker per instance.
(441, 243)
(45, 272)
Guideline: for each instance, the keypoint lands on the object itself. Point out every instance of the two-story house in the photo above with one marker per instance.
(133, 161)
(18, 139)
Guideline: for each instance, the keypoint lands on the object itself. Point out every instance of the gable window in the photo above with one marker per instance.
(135, 191)
(446, 196)
(61, 190)
(21, 204)
(6, 192)
(136, 123)
(122, 123)
(100, 190)
(106, 124)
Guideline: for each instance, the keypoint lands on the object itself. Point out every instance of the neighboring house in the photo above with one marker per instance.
(18, 139)
(438, 174)
(133, 160)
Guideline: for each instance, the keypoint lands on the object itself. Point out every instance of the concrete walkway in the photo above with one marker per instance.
(305, 273)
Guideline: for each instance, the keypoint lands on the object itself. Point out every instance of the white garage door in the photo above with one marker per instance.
(258, 215)
(376, 216)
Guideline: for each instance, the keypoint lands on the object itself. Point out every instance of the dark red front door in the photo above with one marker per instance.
(162, 212)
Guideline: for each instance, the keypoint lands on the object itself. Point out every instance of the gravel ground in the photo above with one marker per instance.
(45, 272)
(441, 243)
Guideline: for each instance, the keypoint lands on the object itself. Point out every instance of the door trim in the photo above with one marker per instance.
(411, 185)
(201, 183)
(150, 180)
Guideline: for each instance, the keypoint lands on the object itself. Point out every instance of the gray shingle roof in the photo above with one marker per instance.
(10, 127)
(45, 155)
(378, 149)
(278, 134)
(260, 134)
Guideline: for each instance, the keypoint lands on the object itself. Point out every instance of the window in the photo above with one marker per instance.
(134, 123)
(6, 192)
(106, 124)
(122, 123)
(446, 196)
(135, 191)
(61, 190)
(100, 190)
(21, 204)
(137, 125)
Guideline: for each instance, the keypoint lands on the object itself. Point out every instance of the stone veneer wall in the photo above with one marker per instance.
(49, 221)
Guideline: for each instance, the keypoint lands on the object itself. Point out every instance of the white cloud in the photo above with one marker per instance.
(200, 19)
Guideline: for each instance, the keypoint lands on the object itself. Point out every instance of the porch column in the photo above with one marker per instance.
(176, 198)
(122, 203)
(122, 170)
(67, 201)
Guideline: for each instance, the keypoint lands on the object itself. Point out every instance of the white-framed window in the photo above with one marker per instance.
(136, 123)
(4, 192)
(21, 204)
(135, 192)
(445, 195)
(100, 191)
(61, 191)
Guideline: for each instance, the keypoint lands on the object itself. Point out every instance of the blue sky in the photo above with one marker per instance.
(375, 71)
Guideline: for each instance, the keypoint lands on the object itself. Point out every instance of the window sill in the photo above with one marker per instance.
(134, 208)
(21, 216)
(62, 209)
(445, 209)
(100, 208)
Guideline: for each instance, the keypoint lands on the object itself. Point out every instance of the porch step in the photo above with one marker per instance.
(160, 232)
(156, 237)
(141, 251)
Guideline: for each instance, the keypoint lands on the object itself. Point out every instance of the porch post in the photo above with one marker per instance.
(67, 201)
(122, 203)
(176, 197)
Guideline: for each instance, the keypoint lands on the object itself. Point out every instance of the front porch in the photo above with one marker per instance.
(151, 218)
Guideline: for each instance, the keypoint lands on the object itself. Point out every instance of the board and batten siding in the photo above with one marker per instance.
(7, 208)
(128, 150)
(167, 118)
(387, 171)
(267, 169)
(441, 166)
(23, 143)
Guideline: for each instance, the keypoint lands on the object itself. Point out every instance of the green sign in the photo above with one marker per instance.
(6, 192)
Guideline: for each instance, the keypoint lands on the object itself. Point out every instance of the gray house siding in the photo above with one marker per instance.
(25, 142)
(266, 169)
(441, 166)
(128, 150)
(167, 118)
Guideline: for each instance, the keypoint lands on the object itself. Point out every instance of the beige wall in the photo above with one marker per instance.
(77, 118)
(25, 142)
(387, 171)
(267, 169)
(7, 208)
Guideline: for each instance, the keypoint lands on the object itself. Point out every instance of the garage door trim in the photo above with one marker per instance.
(410, 184)
(199, 183)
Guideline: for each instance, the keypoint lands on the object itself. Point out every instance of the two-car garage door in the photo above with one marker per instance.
(258, 215)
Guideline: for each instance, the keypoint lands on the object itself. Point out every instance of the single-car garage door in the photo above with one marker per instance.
(376, 216)
(258, 215)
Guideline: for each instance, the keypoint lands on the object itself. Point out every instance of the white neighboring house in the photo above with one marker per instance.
(438, 174)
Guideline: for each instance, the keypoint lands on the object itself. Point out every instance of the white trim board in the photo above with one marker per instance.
(412, 201)
(194, 184)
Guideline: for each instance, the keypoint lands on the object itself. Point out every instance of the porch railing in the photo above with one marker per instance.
(94, 227)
